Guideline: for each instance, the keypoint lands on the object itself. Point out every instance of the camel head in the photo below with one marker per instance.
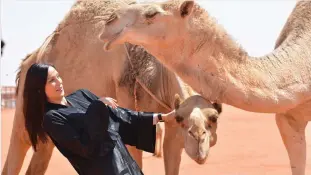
(159, 24)
(198, 119)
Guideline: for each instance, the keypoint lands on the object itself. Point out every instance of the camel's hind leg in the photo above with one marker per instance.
(40, 159)
(16, 154)
(292, 131)
(136, 154)
(125, 100)
(18, 147)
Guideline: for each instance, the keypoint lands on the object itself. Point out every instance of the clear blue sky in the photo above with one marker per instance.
(25, 24)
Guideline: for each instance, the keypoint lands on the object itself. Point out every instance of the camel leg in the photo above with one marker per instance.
(19, 144)
(172, 149)
(40, 159)
(293, 135)
(136, 154)
(158, 145)
(126, 101)
(17, 152)
(16, 155)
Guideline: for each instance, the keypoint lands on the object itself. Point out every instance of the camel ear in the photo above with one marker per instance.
(186, 8)
(177, 101)
(218, 107)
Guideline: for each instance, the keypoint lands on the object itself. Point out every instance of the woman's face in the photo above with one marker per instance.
(54, 85)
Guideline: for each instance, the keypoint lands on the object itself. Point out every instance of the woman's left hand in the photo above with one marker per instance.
(109, 101)
(169, 117)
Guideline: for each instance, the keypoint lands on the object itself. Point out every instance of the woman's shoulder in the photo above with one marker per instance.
(49, 116)
(82, 93)
(50, 113)
(53, 117)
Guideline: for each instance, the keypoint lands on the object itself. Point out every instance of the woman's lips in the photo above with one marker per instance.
(59, 89)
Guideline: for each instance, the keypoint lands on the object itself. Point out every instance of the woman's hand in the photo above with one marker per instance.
(109, 101)
(169, 117)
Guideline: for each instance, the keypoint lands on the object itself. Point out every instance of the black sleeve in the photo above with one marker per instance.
(60, 130)
(136, 128)
(89, 94)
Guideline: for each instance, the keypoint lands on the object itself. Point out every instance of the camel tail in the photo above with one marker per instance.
(37, 54)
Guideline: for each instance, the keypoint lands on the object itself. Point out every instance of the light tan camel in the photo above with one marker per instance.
(186, 39)
(77, 53)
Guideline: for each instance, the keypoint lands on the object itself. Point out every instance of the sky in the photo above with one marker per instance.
(25, 24)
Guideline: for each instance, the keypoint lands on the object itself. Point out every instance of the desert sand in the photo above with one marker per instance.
(248, 144)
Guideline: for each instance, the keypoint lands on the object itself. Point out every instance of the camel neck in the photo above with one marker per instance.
(226, 73)
(209, 60)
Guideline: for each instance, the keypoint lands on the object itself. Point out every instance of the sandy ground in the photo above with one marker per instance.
(248, 144)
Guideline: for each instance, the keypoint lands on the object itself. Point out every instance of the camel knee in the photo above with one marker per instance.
(291, 129)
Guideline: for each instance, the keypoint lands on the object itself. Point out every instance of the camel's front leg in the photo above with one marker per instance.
(292, 131)
(159, 137)
(40, 159)
(172, 149)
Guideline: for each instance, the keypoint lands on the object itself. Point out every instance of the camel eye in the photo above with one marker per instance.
(112, 18)
(213, 118)
(208, 126)
(151, 13)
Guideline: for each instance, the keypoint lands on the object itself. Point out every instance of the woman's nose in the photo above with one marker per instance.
(59, 81)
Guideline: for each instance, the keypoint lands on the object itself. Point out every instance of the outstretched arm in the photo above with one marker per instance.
(138, 128)
(135, 128)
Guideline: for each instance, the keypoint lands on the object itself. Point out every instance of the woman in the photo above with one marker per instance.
(89, 131)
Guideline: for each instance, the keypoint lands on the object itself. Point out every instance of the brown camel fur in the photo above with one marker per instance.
(77, 54)
(187, 39)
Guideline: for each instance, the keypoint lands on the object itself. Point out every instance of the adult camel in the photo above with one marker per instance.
(77, 53)
(186, 39)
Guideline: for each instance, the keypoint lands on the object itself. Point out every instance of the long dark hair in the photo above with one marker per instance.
(34, 102)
